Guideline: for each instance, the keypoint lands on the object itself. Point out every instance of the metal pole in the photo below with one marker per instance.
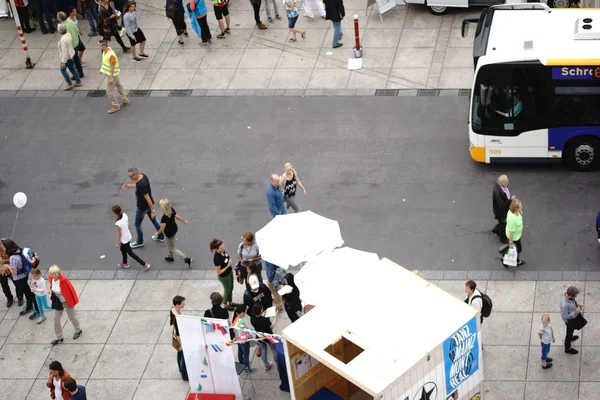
(357, 49)
(28, 63)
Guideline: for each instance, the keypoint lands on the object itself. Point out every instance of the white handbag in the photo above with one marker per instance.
(510, 258)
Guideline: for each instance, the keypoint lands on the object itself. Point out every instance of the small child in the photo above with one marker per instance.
(38, 287)
(546, 335)
(77, 391)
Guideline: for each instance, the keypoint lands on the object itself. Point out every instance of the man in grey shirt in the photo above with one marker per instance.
(570, 312)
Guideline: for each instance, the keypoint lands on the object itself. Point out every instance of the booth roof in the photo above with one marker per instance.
(396, 317)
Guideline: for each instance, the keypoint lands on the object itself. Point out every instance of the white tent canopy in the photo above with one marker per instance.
(325, 276)
(291, 239)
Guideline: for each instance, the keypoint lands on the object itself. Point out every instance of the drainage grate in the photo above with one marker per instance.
(96, 93)
(464, 92)
(139, 93)
(387, 92)
(428, 92)
(180, 93)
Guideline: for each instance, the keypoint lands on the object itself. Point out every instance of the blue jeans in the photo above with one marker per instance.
(270, 269)
(244, 354)
(263, 349)
(92, 17)
(42, 303)
(77, 62)
(139, 217)
(71, 66)
(545, 351)
(337, 32)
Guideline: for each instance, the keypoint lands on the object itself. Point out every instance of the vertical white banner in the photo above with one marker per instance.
(209, 361)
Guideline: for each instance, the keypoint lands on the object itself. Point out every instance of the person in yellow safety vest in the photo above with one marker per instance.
(110, 68)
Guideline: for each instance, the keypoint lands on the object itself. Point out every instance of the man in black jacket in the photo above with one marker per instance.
(501, 199)
(335, 12)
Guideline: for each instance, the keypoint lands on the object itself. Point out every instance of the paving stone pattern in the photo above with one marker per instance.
(411, 49)
(125, 352)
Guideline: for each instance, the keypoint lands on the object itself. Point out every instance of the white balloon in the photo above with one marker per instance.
(20, 199)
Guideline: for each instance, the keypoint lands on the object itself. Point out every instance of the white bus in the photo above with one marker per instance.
(441, 7)
(536, 91)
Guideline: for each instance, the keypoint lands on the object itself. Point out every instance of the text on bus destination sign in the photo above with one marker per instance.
(576, 73)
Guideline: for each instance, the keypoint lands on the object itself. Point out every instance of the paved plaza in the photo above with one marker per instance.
(411, 48)
(125, 352)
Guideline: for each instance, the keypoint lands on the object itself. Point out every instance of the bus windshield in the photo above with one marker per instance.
(509, 99)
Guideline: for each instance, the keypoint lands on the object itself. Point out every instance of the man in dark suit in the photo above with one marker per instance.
(501, 199)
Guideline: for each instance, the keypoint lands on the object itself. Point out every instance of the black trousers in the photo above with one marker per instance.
(22, 288)
(114, 32)
(179, 24)
(573, 324)
(500, 229)
(125, 250)
(4, 282)
(519, 247)
(204, 29)
(256, 7)
(24, 17)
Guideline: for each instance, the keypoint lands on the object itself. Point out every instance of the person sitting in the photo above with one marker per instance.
(516, 108)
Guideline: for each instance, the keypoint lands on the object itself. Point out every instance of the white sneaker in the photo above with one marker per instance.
(146, 267)
(135, 245)
(121, 265)
(155, 238)
(41, 319)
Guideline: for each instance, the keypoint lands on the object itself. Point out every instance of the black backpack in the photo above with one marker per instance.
(486, 302)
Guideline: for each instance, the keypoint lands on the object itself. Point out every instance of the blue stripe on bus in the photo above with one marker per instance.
(523, 160)
(557, 137)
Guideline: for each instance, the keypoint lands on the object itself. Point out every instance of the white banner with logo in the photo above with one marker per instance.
(209, 361)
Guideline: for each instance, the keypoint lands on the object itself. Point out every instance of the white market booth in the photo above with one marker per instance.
(385, 334)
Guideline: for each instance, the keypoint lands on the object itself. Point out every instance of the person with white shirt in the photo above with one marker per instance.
(38, 287)
(124, 237)
(474, 298)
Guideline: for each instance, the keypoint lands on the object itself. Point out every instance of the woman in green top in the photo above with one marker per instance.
(514, 227)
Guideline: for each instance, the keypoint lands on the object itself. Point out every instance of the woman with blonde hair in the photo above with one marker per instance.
(61, 287)
(288, 182)
(514, 227)
(169, 227)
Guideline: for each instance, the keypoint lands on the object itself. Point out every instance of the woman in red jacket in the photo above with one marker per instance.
(56, 381)
(61, 286)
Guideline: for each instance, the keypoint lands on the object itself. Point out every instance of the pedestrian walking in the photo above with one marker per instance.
(168, 226)
(546, 335)
(80, 49)
(91, 12)
(6, 277)
(175, 12)
(178, 305)
(56, 382)
(40, 290)
(501, 199)
(23, 12)
(110, 68)
(571, 312)
(289, 182)
(275, 9)
(62, 288)
(275, 197)
(335, 12)
(134, 33)
(222, 263)
(292, 15)
(20, 275)
(124, 239)
(66, 53)
(263, 324)
(474, 297)
(74, 33)
(77, 391)
(257, 293)
(514, 227)
(221, 10)
(256, 7)
(308, 12)
(244, 347)
(144, 205)
(197, 12)
(48, 9)
(107, 24)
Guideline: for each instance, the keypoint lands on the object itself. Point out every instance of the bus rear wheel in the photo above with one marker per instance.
(583, 154)
(438, 10)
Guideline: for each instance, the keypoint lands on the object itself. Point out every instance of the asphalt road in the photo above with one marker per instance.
(395, 172)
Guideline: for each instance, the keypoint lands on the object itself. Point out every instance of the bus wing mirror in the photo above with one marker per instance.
(465, 26)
